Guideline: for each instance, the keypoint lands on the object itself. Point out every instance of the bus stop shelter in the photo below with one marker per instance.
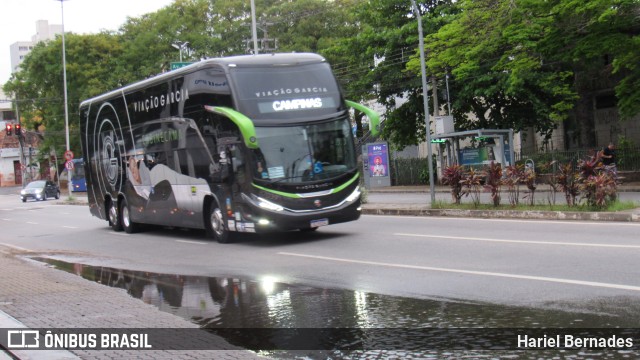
(503, 139)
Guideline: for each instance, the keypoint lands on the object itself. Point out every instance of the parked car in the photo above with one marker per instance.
(40, 190)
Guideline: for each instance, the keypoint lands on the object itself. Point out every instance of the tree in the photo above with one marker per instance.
(212, 29)
(39, 85)
(528, 63)
(500, 78)
(375, 63)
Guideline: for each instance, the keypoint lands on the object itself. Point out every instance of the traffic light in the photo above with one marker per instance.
(8, 129)
(18, 129)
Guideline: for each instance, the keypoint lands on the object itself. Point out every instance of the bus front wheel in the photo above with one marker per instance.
(215, 224)
(114, 219)
(125, 218)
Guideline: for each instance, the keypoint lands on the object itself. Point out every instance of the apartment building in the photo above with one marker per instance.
(44, 32)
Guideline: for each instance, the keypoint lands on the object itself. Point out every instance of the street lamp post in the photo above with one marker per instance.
(254, 31)
(64, 79)
(180, 46)
(425, 97)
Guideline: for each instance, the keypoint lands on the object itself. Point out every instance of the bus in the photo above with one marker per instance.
(254, 143)
(78, 181)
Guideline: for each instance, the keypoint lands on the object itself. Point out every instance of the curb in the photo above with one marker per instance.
(508, 214)
(9, 322)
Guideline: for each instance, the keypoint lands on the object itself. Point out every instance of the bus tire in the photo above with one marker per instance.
(128, 225)
(215, 224)
(114, 216)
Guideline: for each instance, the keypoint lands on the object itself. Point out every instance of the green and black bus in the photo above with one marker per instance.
(251, 143)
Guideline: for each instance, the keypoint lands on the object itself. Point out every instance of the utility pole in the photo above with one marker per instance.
(254, 32)
(265, 41)
(21, 142)
(425, 97)
(66, 108)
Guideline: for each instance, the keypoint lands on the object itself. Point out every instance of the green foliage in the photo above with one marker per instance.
(612, 207)
(512, 63)
(40, 87)
(628, 154)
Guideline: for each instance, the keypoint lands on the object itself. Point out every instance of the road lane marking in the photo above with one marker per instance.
(32, 223)
(520, 241)
(468, 272)
(193, 242)
(564, 222)
(6, 219)
(70, 227)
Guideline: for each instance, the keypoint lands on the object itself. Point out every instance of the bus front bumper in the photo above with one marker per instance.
(279, 219)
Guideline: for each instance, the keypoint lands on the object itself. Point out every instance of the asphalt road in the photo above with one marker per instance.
(590, 266)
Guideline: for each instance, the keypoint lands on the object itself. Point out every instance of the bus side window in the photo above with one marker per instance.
(182, 161)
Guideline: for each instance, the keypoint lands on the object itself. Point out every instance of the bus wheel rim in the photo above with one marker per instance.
(125, 217)
(216, 222)
(113, 215)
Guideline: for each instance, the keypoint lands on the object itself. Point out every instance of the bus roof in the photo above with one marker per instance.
(262, 60)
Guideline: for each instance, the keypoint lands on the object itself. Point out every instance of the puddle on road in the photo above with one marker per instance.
(228, 302)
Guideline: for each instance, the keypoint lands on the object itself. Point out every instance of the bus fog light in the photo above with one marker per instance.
(263, 222)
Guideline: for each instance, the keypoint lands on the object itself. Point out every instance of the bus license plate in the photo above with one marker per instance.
(319, 222)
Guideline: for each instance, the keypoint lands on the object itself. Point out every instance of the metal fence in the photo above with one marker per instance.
(627, 158)
(414, 171)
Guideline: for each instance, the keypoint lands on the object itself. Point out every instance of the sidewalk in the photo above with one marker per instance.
(36, 296)
(419, 207)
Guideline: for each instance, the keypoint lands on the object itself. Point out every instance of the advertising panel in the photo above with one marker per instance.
(378, 160)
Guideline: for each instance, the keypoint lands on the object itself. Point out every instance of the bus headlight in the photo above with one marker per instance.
(268, 205)
(354, 195)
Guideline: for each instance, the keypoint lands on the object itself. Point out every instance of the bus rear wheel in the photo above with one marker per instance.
(128, 225)
(114, 218)
(215, 225)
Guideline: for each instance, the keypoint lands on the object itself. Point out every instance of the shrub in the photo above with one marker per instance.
(494, 181)
(568, 183)
(453, 176)
(513, 176)
(472, 184)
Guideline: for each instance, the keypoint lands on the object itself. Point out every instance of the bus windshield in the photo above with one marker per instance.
(304, 153)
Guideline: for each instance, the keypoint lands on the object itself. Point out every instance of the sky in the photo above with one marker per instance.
(80, 16)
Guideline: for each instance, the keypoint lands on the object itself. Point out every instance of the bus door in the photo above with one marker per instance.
(232, 161)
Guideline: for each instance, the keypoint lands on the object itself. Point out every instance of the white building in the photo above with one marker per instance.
(6, 109)
(20, 49)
